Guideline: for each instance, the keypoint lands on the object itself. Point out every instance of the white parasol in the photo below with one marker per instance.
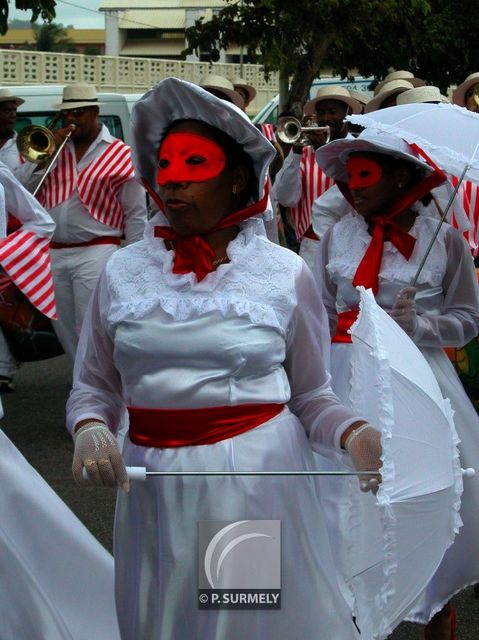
(415, 515)
(447, 133)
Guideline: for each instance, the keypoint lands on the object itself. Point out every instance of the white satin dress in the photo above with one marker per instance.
(247, 333)
(447, 303)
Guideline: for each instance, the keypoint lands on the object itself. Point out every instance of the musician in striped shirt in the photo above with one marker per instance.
(95, 201)
(300, 181)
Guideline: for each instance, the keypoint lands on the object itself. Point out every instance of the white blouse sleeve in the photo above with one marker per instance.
(458, 321)
(327, 288)
(96, 389)
(312, 399)
(328, 209)
(287, 184)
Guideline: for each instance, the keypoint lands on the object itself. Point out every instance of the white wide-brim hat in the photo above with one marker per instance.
(241, 83)
(219, 83)
(173, 99)
(421, 95)
(400, 75)
(393, 87)
(333, 92)
(7, 96)
(459, 93)
(77, 95)
(361, 96)
(332, 157)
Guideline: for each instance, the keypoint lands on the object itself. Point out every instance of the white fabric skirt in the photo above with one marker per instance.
(460, 566)
(56, 580)
(156, 540)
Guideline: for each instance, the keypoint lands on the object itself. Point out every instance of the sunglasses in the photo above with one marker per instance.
(76, 112)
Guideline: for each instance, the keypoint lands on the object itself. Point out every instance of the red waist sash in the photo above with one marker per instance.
(345, 320)
(186, 427)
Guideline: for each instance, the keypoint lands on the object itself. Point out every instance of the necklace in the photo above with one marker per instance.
(218, 261)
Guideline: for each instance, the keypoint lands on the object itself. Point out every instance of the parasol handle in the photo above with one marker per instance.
(443, 217)
(140, 473)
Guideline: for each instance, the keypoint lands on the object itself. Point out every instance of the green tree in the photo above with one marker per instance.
(300, 39)
(53, 37)
(44, 9)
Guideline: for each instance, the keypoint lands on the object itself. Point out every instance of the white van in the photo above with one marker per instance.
(39, 108)
(269, 113)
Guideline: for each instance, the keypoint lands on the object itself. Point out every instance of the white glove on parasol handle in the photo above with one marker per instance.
(364, 446)
(96, 450)
(404, 310)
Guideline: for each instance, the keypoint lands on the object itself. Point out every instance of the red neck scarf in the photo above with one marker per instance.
(193, 253)
(385, 228)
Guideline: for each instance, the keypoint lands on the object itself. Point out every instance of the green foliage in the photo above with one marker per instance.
(53, 37)
(432, 38)
(44, 9)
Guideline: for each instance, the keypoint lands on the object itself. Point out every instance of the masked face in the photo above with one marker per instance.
(363, 172)
(373, 184)
(188, 157)
(196, 186)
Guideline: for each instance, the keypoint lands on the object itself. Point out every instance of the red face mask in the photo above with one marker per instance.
(188, 157)
(363, 172)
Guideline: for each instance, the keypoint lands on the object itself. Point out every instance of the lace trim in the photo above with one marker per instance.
(258, 282)
(445, 157)
(350, 239)
(376, 618)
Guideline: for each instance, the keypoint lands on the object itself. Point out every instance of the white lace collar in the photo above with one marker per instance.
(350, 239)
(236, 250)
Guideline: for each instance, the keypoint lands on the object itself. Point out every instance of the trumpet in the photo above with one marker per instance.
(291, 131)
(37, 144)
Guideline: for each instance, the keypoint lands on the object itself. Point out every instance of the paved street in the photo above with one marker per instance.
(34, 421)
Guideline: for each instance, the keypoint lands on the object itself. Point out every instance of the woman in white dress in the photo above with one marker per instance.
(203, 332)
(53, 572)
(380, 245)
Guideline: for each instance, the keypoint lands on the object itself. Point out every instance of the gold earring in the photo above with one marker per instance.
(235, 190)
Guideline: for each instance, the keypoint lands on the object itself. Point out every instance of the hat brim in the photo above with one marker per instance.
(416, 82)
(355, 106)
(18, 101)
(332, 156)
(69, 106)
(459, 93)
(234, 96)
(251, 91)
(375, 103)
(173, 99)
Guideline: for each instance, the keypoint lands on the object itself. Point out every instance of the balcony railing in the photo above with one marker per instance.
(122, 75)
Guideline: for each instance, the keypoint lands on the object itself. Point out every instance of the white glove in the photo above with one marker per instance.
(97, 450)
(364, 446)
(404, 310)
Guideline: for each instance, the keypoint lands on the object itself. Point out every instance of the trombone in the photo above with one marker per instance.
(291, 131)
(37, 144)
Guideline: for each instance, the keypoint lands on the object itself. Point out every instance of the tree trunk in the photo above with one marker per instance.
(307, 71)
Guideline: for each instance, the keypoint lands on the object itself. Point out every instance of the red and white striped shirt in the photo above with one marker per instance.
(98, 183)
(470, 203)
(268, 130)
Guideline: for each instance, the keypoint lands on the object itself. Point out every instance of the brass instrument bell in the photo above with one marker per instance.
(36, 143)
(291, 131)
